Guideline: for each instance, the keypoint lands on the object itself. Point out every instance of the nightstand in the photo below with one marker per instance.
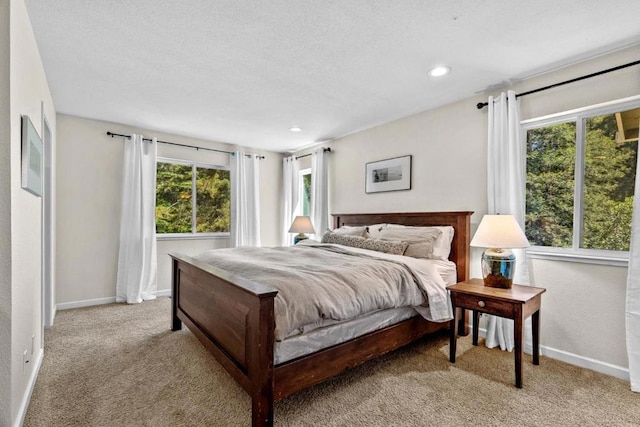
(516, 303)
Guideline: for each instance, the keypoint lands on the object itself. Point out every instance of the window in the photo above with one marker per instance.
(581, 169)
(192, 198)
(305, 192)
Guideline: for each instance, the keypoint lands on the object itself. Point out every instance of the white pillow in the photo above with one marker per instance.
(421, 239)
(442, 244)
(374, 230)
(351, 230)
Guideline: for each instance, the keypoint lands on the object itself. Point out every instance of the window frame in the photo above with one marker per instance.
(579, 116)
(194, 235)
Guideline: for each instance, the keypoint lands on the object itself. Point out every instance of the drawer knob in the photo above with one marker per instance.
(481, 303)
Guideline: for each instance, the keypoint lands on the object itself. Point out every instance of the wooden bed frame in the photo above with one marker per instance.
(234, 319)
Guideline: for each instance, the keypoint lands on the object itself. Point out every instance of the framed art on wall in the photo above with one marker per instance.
(388, 175)
(31, 158)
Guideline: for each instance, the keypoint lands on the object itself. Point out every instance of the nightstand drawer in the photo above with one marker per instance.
(485, 305)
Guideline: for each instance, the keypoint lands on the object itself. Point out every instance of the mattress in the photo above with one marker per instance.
(317, 338)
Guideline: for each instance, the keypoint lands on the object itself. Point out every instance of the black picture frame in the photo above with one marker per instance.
(388, 175)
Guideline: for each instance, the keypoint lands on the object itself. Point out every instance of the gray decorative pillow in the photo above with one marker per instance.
(342, 239)
(395, 247)
(421, 240)
(386, 246)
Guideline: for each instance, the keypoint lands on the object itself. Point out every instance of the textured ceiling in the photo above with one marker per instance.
(244, 72)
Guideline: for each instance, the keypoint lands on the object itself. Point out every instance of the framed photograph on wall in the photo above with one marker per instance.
(388, 175)
(31, 158)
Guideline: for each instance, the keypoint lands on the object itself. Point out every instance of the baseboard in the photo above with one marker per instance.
(85, 303)
(22, 410)
(586, 362)
(575, 359)
(100, 301)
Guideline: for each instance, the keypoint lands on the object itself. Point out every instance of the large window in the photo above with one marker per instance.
(581, 170)
(191, 198)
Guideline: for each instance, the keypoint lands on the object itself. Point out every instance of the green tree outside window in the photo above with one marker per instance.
(607, 191)
(176, 198)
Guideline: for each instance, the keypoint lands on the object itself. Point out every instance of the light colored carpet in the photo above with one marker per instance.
(120, 365)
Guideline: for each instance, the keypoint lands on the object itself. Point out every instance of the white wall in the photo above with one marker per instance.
(89, 181)
(5, 218)
(28, 92)
(583, 308)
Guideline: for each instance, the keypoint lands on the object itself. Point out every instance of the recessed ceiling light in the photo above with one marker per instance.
(295, 129)
(439, 71)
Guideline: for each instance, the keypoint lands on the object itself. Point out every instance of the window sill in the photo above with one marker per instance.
(198, 236)
(617, 259)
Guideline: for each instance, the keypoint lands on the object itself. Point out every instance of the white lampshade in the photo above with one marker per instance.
(302, 224)
(499, 231)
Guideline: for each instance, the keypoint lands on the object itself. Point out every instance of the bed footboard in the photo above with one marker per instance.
(234, 319)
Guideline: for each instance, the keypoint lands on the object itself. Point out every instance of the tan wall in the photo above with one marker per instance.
(29, 95)
(583, 309)
(88, 205)
(5, 218)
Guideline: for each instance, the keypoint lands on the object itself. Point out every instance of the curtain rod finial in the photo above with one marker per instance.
(481, 105)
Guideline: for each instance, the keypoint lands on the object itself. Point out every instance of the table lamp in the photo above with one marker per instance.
(499, 234)
(301, 225)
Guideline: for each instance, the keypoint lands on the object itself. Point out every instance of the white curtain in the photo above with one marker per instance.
(136, 279)
(632, 311)
(319, 191)
(290, 193)
(245, 200)
(506, 168)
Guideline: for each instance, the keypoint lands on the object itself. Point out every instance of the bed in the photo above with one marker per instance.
(234, 319)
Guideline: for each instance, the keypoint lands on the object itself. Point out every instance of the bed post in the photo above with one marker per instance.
(176, 324)
(261, 362)
(462, 239)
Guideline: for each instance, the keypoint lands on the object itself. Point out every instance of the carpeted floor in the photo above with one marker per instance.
(120, 365)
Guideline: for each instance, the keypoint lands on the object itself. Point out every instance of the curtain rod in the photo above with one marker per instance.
(326, 149)
(481, 105)
(111, 134)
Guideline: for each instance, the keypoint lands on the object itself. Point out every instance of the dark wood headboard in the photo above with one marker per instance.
(460, 221)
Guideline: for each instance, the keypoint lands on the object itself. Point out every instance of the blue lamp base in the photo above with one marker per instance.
(298, 237)
(498, 268)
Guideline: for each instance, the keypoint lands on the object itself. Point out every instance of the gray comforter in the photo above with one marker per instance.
(319, 282)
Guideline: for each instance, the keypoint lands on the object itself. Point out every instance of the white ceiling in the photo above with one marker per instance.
(244, 72)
